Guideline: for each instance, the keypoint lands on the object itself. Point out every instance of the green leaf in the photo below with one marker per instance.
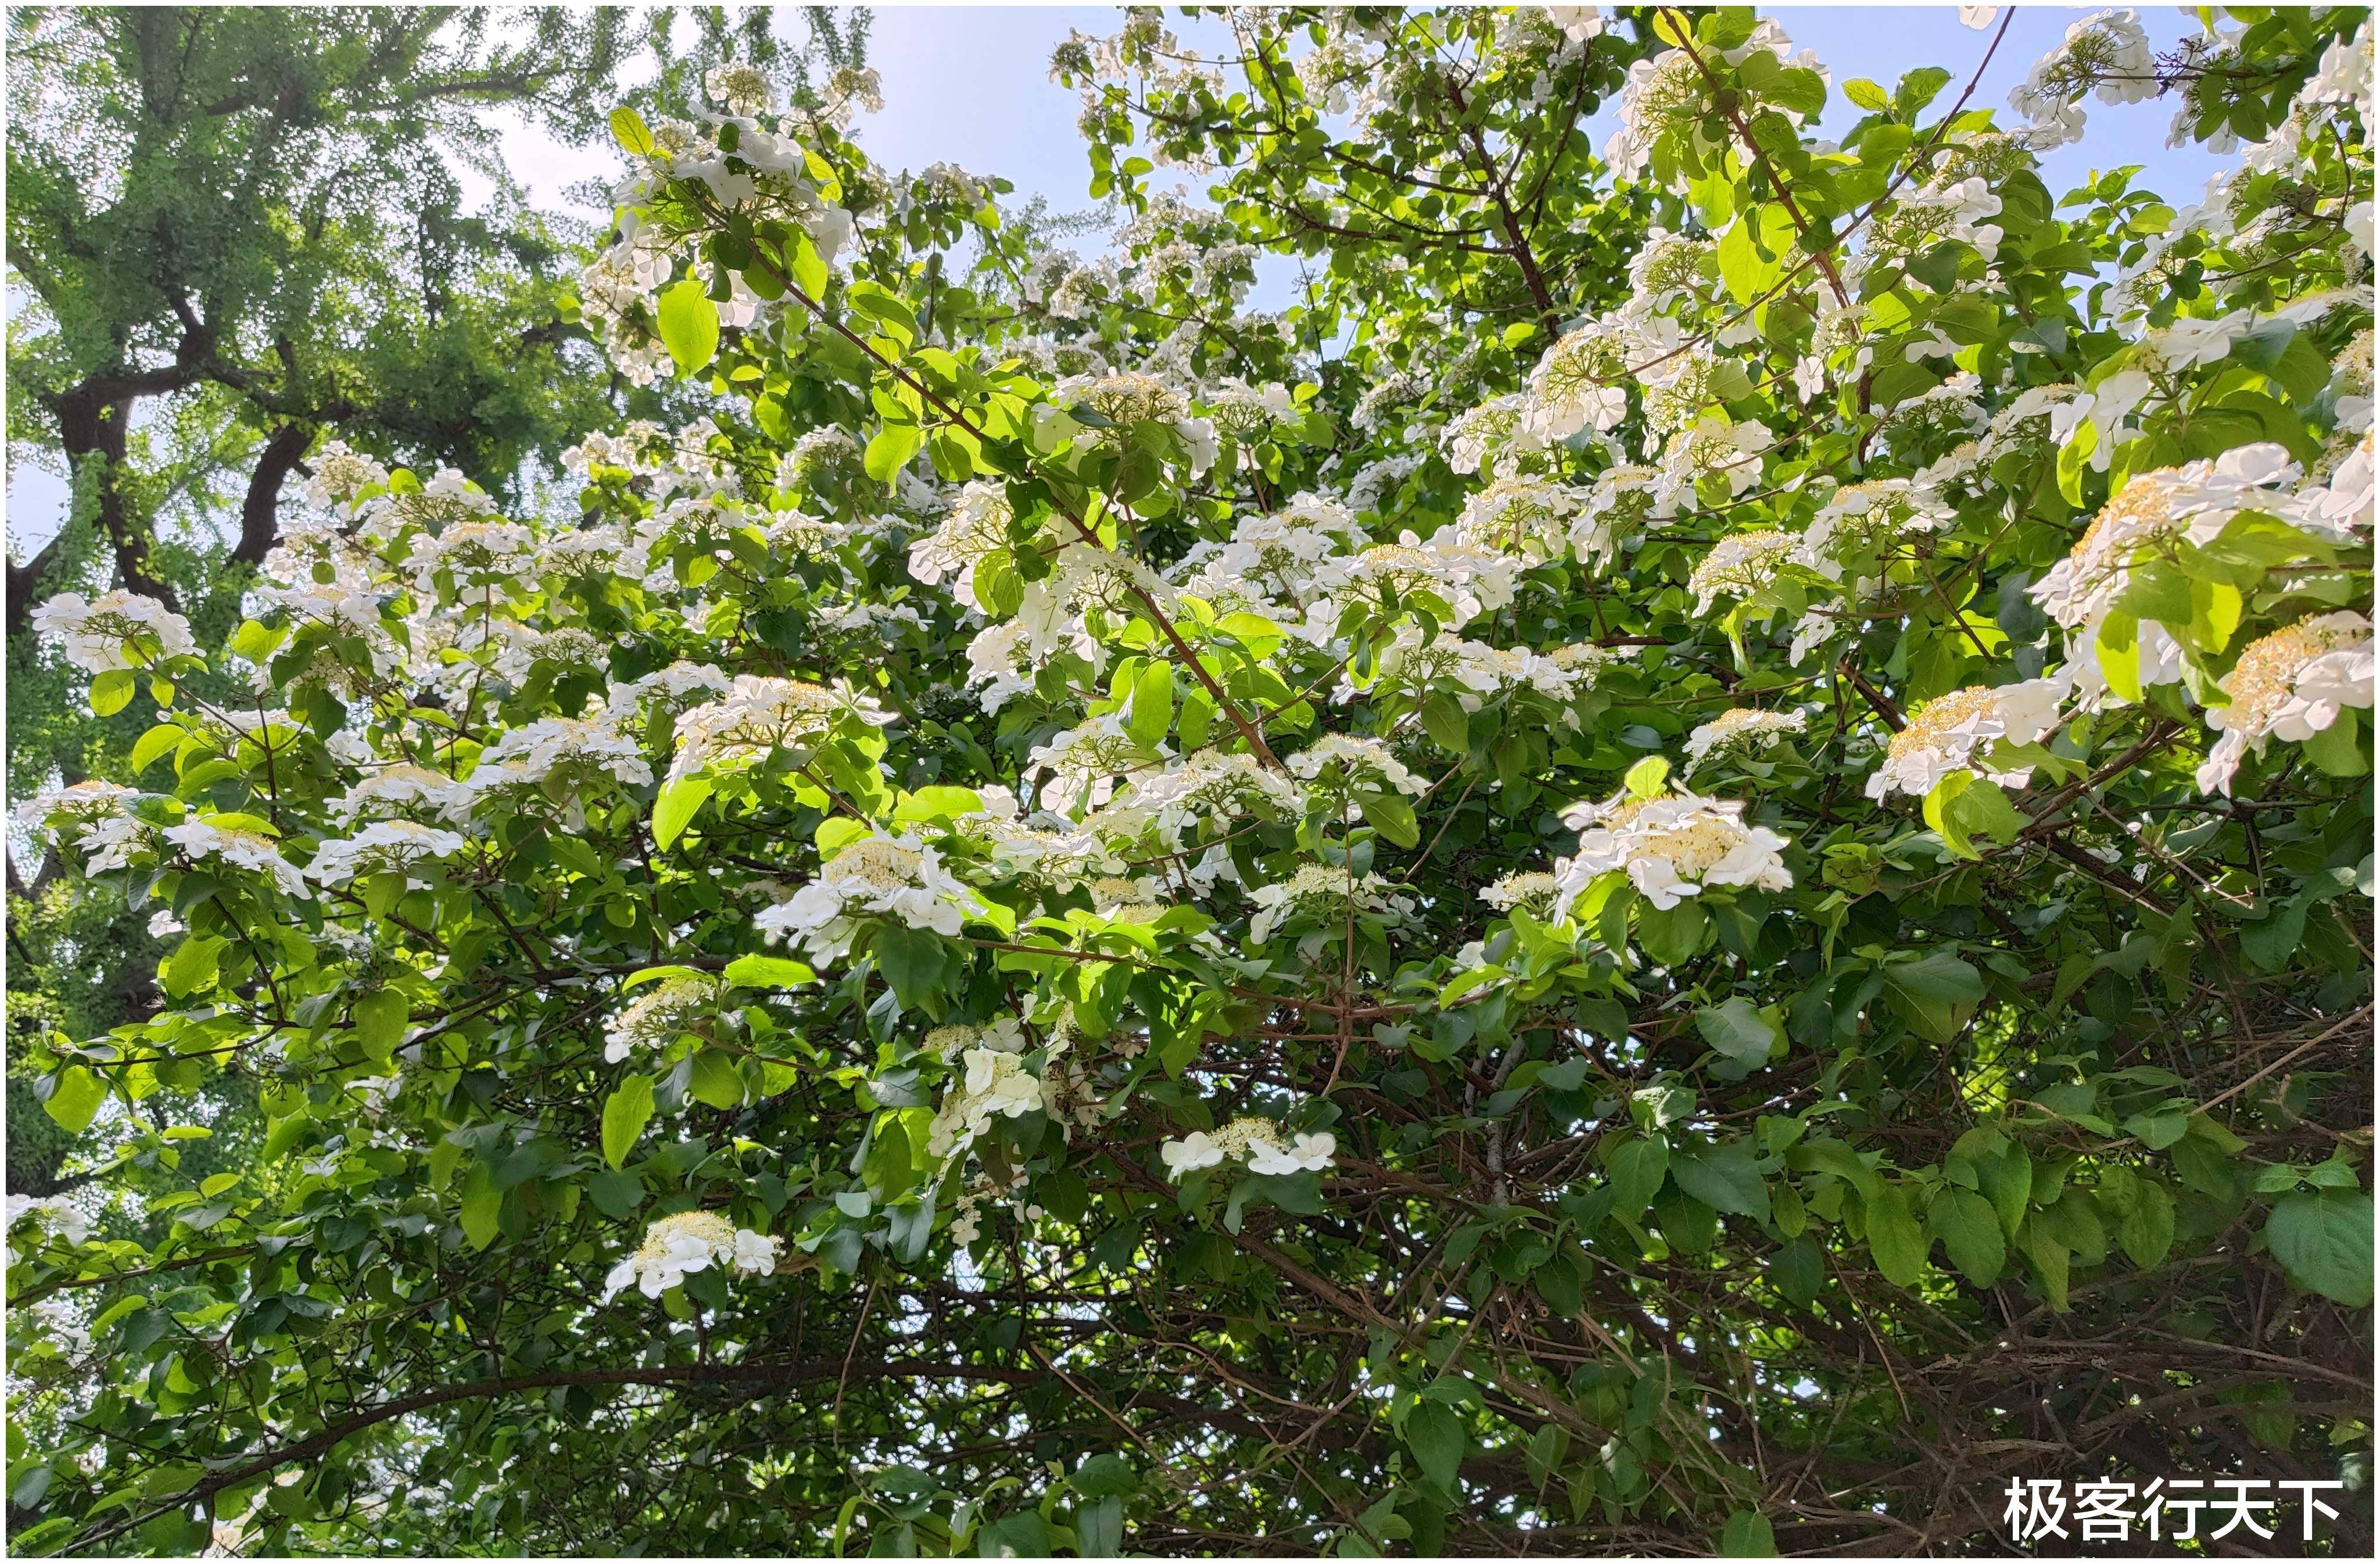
(1937, 992)
(1747, 1536)
(1105, 1476)
(111, 691)
(675, 806)
(75, 1099)
(767, 971)
(1152, 705)
(913, 961)
(805, 265)
(1435, 1433)
(161, 739)
(617, 1195)
(1893, 1237)
(2145, 1224)
(1723, 1178)
(380, 1018)
(1443, 719)
(714, 1079)
(1636, 1172)
(626, 1113)
(1671, 935)
(891, 449)
(1963, 806)
(191, 968)
(2323, 1240)
(482, 1203)
(1391, 815)
(689, 324)
(629, 130)
(1739, 1030)
(1970, 1232)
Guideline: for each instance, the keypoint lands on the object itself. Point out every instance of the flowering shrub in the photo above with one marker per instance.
(1679, 856)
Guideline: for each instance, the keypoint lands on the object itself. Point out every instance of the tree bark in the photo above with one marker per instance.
(260, 513)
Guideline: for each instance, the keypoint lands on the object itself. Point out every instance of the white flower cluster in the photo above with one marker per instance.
(120, 629)
(1672, 847)
(994, 1083)
(2151, 512)
(1950, 732)
(1257, 1143)
(658, 1016)
(758, 715)
(396, 847)
(879, 876)
(1339, 762)
(1323, 890)
(201, 839)
(2292, 684)
(1743, 730)
(2107, 53)
(676, 1246)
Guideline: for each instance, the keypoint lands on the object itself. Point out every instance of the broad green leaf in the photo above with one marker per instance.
(1436, 1436)
(675, 806)
(690, 325)
(1893, 1236)
(767, 971)
(1971, 1234)
(74, 1098)
(2324, 1239)
(482, 1203)
(626, 1113)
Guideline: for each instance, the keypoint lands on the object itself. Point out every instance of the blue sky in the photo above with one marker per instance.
(969, 85)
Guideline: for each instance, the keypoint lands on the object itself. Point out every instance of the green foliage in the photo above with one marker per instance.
(1082, 922)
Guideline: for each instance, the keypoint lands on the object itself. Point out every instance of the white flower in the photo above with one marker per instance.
(121, 629)
(1529, 517)
(995, 1085)
(244, 849)
(1713, 447)
(655, 1019)
(1671, 847)
(2109, 53)
(1324, 889)
(399, 786)
(1739, 565)
(67, 811)
(742, 88)
(1304, 1153)
(877, 875)
(1578, 23)
(975, 527)
(1946, 734)
(1577, 385)
(388, 846)
(1083, 762)
(673, 689)
(1351, 759)
(1743, 730)
(676, 1247)
(1193, 1151)
(2192, 503)
(1531, 890)
(576, 751)
(2292, 684)
(1211, 787)
(1863, 519)
(757, 715)
(1254, 1141)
